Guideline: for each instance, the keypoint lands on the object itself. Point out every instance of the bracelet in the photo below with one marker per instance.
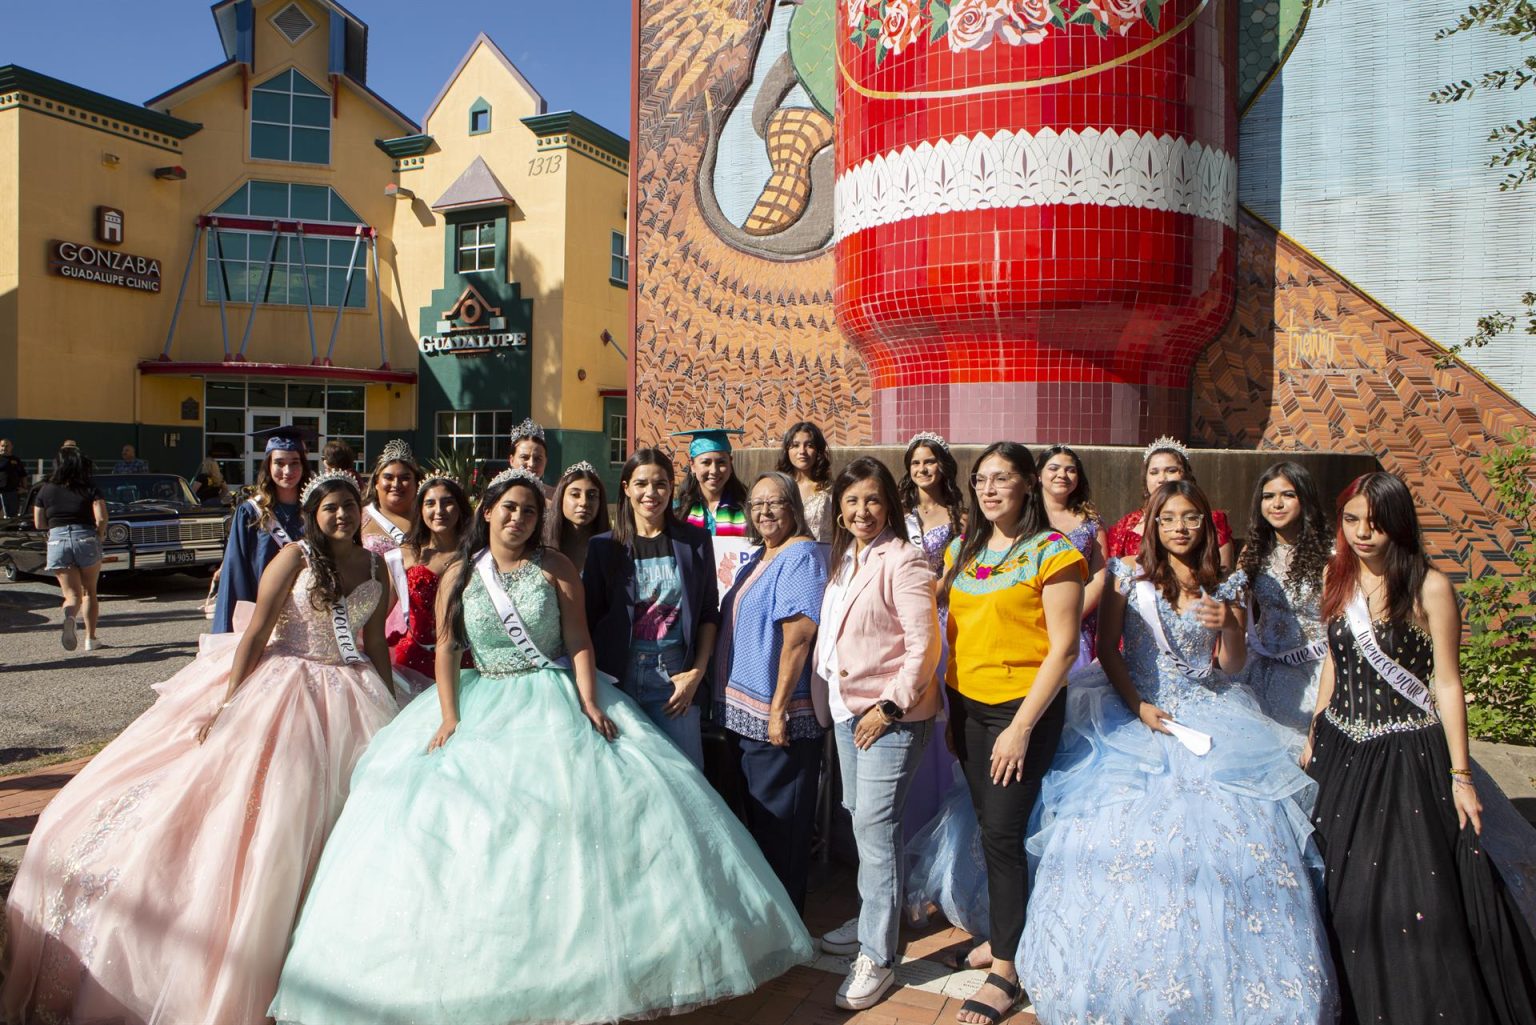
(1461, 772)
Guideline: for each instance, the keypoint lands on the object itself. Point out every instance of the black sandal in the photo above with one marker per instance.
(1011, 990)
(958, 959)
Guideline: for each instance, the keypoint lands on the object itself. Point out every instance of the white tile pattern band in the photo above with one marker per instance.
(1013, 169)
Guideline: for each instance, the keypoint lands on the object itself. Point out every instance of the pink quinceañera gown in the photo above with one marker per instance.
(161, 884)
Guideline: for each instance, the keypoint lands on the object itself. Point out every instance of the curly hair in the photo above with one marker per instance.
(954, 498)
(821, 464)
(322, 560)
(264, 493)
(1316, 542)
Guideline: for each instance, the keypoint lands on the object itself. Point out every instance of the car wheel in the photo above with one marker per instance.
(8, 571)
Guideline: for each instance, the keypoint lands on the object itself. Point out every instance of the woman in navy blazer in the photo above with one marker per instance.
(653, 604)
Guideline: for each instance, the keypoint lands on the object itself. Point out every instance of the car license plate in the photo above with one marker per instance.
(180, 558)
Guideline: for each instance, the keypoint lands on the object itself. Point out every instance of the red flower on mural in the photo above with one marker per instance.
(1117, 15)
(901, 24)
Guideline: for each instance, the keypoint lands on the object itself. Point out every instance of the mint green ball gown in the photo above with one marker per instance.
(531, 871)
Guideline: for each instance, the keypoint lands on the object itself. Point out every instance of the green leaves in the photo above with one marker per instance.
(938, 16)
(1154, 12)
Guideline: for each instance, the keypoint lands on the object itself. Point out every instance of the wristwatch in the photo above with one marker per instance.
(890, 709)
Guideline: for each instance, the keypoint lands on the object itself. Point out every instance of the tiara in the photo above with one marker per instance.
(581, 467)
(433, 479)
(527, 429)
(1165, 444)
(929, 437)
(396, 451)
(513, 474)
(318, 479)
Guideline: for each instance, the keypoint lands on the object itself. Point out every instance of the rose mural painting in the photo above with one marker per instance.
(1035, 210)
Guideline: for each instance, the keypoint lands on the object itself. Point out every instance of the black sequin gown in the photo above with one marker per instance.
(1422, 927)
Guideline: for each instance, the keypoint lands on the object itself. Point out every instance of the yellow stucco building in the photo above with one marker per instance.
(273, 242)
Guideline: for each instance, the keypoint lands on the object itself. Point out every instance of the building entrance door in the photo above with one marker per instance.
(257, 419)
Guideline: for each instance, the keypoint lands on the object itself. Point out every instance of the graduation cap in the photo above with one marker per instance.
(708, 439)
(288, 438)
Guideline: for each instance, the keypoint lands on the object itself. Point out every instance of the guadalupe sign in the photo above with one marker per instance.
(471, 326)
(85, 262)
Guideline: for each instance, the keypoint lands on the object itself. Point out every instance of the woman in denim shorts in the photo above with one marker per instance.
(73, 512)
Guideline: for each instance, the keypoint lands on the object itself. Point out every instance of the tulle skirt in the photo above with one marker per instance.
(161, 884)
(530, 871)
(1173, 887)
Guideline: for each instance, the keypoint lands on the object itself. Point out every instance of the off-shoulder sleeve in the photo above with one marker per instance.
(1232, 587)
(1124, 573)
(1223, 528)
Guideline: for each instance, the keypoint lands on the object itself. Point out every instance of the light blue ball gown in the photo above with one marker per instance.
(1173, 887)
(531, 871)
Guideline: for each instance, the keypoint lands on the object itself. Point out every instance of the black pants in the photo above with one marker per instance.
(780, 804)
(1003, 812)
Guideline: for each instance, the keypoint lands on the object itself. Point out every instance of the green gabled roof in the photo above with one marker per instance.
(405, 145)
(18, 79)
(568, 122)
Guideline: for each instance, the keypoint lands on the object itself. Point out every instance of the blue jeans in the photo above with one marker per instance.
(648, 679)
(875, 785)
(72, 547)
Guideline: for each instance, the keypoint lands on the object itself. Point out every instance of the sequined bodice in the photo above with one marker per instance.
(932, 542)
(1288, 613)
(1363, 704)
(421, 584)
(1082, 536)
(303, 629)
(379, 544)
(537, 604)
(1156, 677)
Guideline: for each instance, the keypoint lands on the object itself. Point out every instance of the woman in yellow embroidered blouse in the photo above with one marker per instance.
(1015, 599)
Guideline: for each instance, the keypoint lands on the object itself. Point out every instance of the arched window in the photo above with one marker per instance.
(291, 120)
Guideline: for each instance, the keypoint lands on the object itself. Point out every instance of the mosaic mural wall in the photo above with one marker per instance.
(735, 274)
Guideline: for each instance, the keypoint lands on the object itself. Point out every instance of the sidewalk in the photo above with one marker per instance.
(927, 993)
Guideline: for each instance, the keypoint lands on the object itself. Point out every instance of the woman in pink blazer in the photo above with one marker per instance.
(876, 653)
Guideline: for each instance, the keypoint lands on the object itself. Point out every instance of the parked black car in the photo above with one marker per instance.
(156, 525)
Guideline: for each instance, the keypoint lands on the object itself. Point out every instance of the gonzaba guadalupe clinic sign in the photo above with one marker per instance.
(85, 262)
(471, 326)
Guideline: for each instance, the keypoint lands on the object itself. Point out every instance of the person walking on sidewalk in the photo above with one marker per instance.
(73, 512)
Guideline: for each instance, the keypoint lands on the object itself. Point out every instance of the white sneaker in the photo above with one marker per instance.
(91, 644)
(842, 940)
(865, 984)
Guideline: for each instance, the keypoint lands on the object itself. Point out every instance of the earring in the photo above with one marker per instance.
(840, 522)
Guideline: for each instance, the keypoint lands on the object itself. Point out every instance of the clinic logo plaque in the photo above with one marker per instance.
(471, 326)
(109, 226)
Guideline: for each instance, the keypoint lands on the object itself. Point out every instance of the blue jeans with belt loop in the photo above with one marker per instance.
(875, 785)
(648, 679)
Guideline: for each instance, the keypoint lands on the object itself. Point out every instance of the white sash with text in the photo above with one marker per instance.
(1146, 605)
(1401, 680)
(276, 529)
(485, 565)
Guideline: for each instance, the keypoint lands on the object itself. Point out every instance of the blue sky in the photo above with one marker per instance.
(576, 54)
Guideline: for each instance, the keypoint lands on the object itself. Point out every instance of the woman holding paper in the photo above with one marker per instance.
(1175, 880)
(529, 847)
(1424, 928)
(161, 884)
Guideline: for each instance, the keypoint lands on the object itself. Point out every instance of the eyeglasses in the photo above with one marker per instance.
(1168, 521)
(1000, 481)
(768, 505)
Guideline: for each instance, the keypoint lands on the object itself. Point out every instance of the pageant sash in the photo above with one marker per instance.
(510, 620)
(394, 559)
(382, 522)
(276, 529)
(1294, 657)
(1400, 679)
(1146, 604)
(341, 626)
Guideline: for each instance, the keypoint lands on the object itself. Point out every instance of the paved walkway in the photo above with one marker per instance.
(927, 991)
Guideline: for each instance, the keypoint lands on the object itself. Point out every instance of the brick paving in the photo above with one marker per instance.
(927, 991)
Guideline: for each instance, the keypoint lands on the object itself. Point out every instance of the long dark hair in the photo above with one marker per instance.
(386, 460)
(691, 494)
(954, 499)
(1033, 518)
(1391, 512)
(478, 536)
(322, 561)
(421, 534)
(624, 529)
(1188, 467)
(1080, 501)
(1153, 559)
(71, 470)
(862, 469)
(821, 466)
(1315, 543)
(561, 530)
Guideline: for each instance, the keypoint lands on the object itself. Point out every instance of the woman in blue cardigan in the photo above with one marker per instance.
(653, 605)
